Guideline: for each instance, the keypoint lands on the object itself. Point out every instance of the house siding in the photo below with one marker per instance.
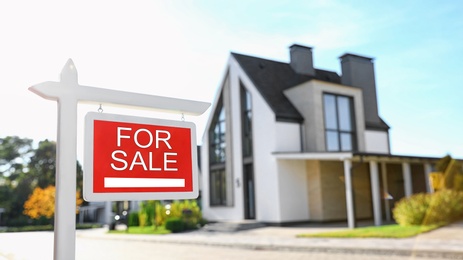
(287, 137)
(314, 191)
(292, 184)
(377, 142)
(326, 191)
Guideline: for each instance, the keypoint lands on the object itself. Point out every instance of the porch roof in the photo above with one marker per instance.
(353, 156)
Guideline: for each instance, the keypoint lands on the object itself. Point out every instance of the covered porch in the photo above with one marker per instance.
(380, 179)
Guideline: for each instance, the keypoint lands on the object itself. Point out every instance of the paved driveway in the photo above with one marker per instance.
(95, 244)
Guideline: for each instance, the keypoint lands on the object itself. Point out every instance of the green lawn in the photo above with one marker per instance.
(388, 231)
(142, 231)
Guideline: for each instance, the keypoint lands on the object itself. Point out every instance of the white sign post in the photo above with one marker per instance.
(68, 93)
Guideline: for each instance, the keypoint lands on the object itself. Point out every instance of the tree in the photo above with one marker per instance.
(14, 189)
(449, 174)
(41, 203)
(23, 168)
(42, 165)
(14, 153)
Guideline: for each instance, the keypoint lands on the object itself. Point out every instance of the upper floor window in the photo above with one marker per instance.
(339, 123)
(246, 120)
(217, 140)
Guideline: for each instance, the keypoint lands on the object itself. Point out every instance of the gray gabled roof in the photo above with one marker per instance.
(271, 78)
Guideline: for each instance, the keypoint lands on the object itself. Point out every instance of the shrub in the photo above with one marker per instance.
(88, 225)
(186, 210)
(439, 208)
(411, 210)
(133, 219)
(175, 225)
(446, 206)
(147, 213)
(30, 228)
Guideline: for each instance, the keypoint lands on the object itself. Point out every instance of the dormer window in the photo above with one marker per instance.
(339, 123)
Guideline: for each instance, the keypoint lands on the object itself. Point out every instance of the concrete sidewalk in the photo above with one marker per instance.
(446, 242)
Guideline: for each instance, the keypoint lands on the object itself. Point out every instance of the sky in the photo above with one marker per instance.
(180, 49)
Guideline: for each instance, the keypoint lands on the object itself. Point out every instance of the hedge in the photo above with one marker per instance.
(440, 208)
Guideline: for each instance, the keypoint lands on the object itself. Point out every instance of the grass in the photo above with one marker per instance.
(142, 231)
(388, 231)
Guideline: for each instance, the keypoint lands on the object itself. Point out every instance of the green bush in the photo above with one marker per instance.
(20, 221)
(133, 220)
(147, 213)
(88, 225)
(175, 225)
(411, 210)
(30, 228)
(446, 206)
(186, 210)
(439, 208)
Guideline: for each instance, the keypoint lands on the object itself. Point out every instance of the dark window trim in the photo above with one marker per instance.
(217, 165)
(339, 132)
(223, 185)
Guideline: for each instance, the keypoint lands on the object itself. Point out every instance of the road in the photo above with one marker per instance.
(39, 245)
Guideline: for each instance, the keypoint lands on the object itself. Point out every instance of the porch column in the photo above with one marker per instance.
(427, 172)
(407, 175)
(349, 194)
(375, 192)
(387, 205)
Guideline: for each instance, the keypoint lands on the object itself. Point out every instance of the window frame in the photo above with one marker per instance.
(337, 129)
(246, 122)
(217, 158)
(217, 141)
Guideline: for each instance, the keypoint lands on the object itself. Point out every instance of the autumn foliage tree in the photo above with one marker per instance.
(23, 167)
(41, 203)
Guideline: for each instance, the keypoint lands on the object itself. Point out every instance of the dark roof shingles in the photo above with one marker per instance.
(271, 78)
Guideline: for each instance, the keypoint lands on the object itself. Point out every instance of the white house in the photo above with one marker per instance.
(289, 143)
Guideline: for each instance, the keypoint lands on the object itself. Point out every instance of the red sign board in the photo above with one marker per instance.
(134, 158)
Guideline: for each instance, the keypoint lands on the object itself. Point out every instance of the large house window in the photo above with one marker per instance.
(248, 167)
(217, 138)
(246, 120)
(218, 188)
(339, 123)
(217, 158)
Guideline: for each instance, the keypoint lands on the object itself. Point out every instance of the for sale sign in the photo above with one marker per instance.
(135, 158)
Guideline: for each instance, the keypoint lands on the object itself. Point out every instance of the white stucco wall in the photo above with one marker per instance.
(233, 211)
(265, 132)
(287, 137)
(292, 181)
(376, 141)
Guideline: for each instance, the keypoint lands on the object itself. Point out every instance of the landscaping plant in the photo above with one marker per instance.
(440, 208)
